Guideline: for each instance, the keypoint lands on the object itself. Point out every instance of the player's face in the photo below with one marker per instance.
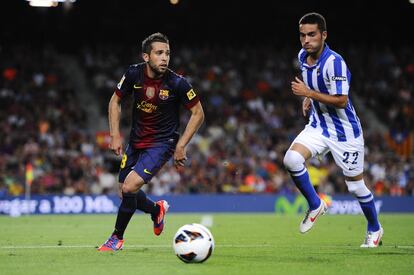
(159, 58)
(311, 38)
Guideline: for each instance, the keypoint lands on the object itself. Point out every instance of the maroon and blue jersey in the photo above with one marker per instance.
(156, 108)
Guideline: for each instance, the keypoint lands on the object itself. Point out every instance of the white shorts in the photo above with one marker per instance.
(348, 155)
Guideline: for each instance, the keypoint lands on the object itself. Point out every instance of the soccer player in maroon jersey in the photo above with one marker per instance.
(158, 94)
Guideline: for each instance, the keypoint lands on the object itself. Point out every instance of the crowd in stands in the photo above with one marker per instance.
(251, 119)
(41, 124)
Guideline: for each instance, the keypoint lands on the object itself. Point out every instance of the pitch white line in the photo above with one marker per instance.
(126, 246)
(169, 246)
(45, 246)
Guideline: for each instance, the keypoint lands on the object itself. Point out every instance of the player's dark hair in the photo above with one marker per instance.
(314, 18)
(155, 37)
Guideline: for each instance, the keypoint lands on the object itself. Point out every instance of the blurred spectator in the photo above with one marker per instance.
(251, 118)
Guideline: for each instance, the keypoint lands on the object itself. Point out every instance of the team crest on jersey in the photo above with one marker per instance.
(164, 94)
(150, 92)
(120, 82)
(191, 94)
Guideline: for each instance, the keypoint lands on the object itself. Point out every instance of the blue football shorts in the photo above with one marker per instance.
(145, 162)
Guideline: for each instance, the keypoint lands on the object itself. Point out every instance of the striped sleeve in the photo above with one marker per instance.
(301, 56)
(338, 76)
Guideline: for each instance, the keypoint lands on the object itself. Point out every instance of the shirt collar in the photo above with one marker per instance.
(322, 57)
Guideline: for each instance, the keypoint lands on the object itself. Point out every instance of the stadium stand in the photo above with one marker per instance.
(238, 151)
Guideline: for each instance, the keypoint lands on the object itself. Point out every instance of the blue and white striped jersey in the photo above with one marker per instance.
(330, 75)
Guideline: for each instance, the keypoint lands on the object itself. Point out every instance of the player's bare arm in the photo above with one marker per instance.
(195, 121)
(114, 115)
(306, 106)
(299, 88)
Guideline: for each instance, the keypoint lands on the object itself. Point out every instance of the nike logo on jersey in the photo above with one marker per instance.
(137, 86)
(147, 172)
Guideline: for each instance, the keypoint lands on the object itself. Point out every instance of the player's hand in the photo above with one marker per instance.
(179, 156)
(306, 106)
(116, 145)
(299, 88)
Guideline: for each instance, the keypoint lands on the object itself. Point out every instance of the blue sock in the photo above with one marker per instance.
(125, 212)
(302, 182)
(370, 214)
(146, 205)
(366, 201)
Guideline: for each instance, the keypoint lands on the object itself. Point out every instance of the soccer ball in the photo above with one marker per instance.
(193, 243)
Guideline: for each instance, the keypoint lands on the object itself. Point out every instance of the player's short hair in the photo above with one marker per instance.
(314, 18)
(155, 37)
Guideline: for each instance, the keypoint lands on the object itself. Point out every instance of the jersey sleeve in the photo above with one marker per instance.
(126, 83)
(187, 95)
(301, 56)
(338, 76)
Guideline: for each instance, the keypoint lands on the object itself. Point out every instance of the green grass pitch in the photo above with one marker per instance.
(245, 244)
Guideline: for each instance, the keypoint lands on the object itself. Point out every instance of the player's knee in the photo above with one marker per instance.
(293, 160)
(127, 189)
(131, 188)
(357, 188)
(132, 183)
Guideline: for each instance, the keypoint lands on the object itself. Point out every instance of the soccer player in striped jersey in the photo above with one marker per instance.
(333, 126)
(158, 94)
